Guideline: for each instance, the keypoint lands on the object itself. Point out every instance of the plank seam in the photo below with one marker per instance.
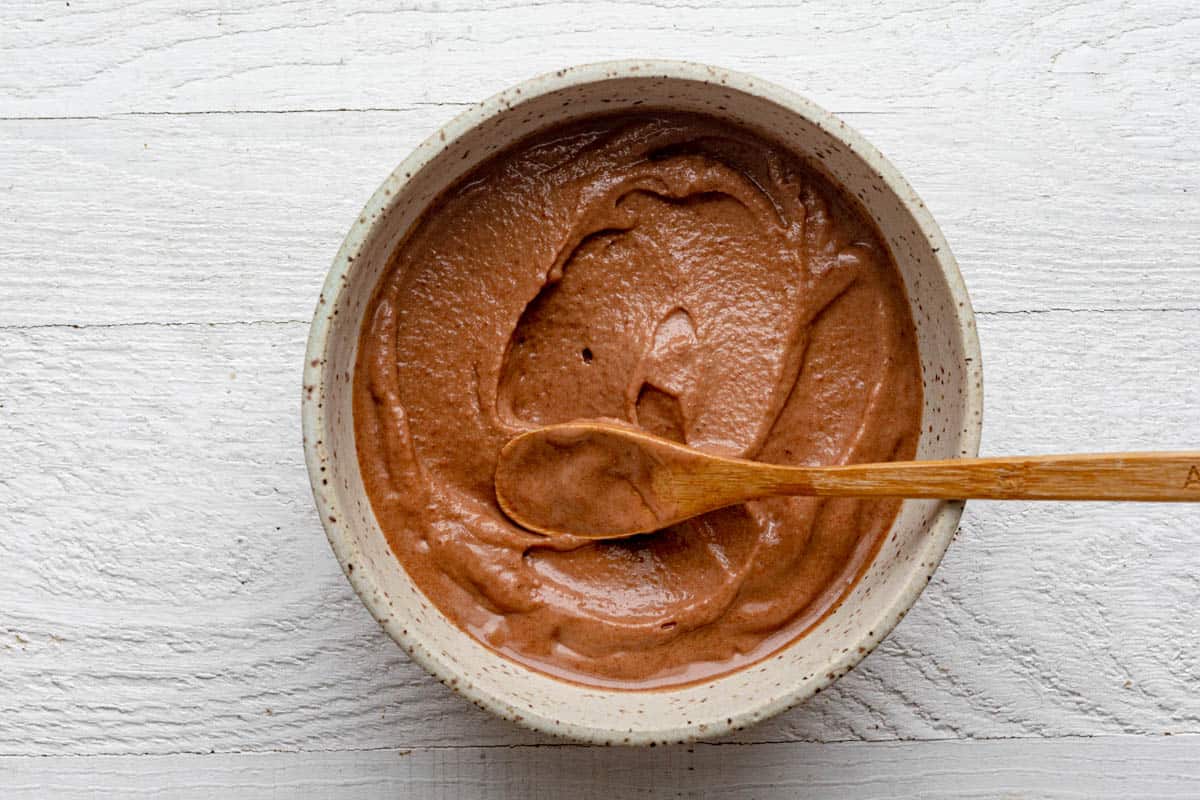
(417, 106)
(1191, 737)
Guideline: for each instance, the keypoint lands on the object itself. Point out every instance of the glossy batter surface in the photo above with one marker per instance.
(673, 272)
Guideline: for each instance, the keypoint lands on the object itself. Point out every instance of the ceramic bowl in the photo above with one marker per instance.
(950, 426)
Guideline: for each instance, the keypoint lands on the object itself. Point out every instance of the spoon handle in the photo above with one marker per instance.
(1096, 476)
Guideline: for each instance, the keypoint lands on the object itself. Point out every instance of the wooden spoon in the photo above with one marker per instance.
(602, 480)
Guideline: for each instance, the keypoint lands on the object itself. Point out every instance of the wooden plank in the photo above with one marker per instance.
(175, 56)
(234, 218)
(1109, 767)
(168, 588)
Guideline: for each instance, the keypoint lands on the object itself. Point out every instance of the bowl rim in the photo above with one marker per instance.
(313, 417)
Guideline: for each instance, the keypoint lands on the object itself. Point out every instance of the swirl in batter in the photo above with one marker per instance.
(674, 272)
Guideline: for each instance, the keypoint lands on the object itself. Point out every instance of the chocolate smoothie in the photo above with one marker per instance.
(674, 272)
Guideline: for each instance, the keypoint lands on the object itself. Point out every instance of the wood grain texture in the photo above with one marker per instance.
(1056, 143)
(232, 218)
(165, 588)
(1121, 767)
(171, 56)
(168, 588)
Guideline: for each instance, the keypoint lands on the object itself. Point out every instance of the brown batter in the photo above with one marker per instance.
(668, 270)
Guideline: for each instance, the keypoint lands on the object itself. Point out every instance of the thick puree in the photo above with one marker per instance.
(674, 272)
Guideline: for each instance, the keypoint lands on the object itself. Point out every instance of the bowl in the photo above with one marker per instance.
(950, 425)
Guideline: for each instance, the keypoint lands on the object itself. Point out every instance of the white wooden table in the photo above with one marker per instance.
(174, 181)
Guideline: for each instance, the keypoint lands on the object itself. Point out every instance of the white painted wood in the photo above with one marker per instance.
(236, 217)
(1056, 144)
(169, 55)
(165, 589)
(1121, 767)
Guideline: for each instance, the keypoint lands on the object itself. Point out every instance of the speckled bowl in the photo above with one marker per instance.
(950, 424)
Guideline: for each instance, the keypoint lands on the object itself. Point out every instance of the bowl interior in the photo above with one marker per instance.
(950, 421)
